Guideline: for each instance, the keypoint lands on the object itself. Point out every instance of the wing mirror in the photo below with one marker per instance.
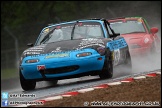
(154, 30)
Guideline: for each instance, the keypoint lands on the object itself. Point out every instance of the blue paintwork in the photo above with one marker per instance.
(30, 69)
(117, 44)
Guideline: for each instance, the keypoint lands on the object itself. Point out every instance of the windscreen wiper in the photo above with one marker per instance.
(72, 33)
(47, 36)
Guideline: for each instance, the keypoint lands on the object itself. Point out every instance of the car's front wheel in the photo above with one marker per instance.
(26, 84)
(107, 71)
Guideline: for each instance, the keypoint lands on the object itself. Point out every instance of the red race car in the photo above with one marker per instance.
(140, 37)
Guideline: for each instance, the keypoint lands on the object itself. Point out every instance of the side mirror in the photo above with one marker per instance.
(30, 44)
(154, 30)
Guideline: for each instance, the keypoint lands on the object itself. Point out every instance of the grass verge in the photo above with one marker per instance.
(9, 73)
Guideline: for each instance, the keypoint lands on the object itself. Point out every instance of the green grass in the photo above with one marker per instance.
(9, 73)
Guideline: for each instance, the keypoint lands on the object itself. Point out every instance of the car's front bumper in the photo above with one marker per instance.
(53, 66)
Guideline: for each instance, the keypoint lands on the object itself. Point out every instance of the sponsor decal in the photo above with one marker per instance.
(116, 44)
(139, 20)
(34, 50)
(53, 53)
(58, 55)
(90, 42)
(31, 52)
(46, 30)
(57, 50)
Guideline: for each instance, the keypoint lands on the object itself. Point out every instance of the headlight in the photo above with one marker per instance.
(84, 54)
(101, 50)
(32, 61)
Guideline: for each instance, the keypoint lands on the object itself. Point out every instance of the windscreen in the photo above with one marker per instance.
(70, 31)
(127, 27)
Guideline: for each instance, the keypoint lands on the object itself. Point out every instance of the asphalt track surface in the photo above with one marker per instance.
(44, 89)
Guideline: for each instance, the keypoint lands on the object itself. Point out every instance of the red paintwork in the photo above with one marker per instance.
(138, 38)
(154, 30)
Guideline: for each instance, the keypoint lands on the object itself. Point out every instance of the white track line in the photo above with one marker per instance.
(114, 83)
(53, 98)
(85, 90)
(139, 77)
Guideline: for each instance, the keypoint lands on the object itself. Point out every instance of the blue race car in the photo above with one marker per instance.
(73, 49)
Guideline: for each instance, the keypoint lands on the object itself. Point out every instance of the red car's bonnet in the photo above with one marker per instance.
(134, 37)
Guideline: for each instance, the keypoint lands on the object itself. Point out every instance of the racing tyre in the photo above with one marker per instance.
(107, 71)
(25, 84)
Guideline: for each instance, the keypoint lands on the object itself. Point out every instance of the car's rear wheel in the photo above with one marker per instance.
(107, 71)
(26, 84)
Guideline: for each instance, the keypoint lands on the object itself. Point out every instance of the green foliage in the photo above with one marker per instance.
(9, 73)
(16, 13)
